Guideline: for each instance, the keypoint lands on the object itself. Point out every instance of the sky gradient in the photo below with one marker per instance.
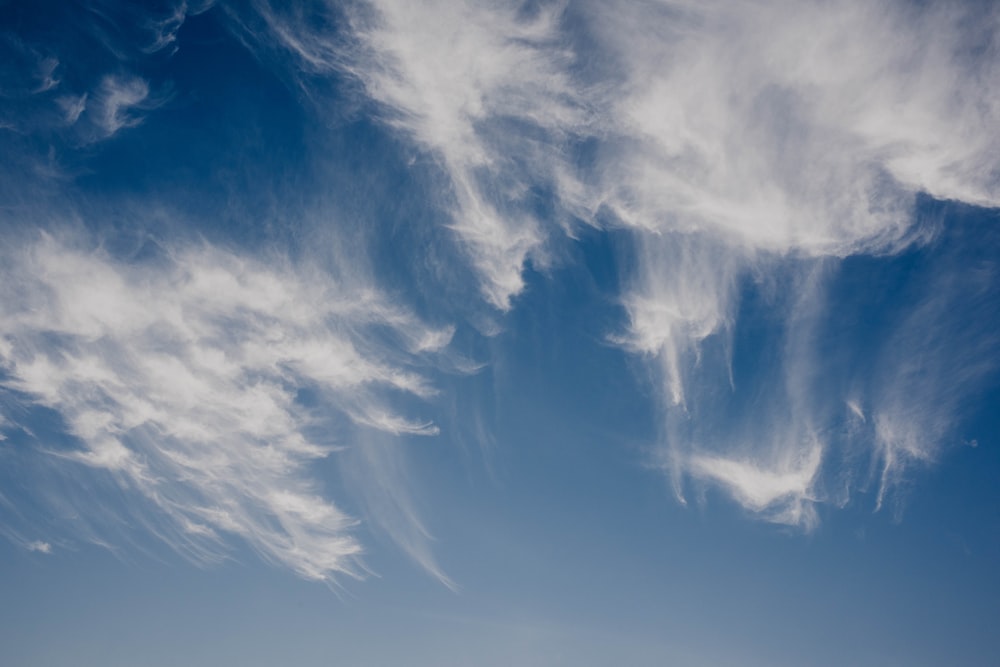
(494, 333)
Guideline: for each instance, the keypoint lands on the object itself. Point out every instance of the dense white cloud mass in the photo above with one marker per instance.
(806, 127)
(729, 137)
(187, 377)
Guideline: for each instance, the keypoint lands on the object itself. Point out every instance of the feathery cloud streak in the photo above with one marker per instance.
(186, 379)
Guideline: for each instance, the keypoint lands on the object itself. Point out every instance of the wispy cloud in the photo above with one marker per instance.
(40, 547)
(484, 89)
(780, 492)
(935, 360)
(72, 77)
(756, 132)
(115, 101)
(733, 140)
(203, 384)
(377, 473)
(744, 148)
(163, 29)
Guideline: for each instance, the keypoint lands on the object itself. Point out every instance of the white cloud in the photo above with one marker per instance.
(163, 30)
(780, 491)
(39, 546)
(750, 123)
(47, 74)
(114, 103)
(480, 87)
(728, 137)
(182, 378)
(806, 127)
(749, 133)
(163, 27)
(732, 140)
(681, 298)
(377, 472)
(933, 363)
(72, 106)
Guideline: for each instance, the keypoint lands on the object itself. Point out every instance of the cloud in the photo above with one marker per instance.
(114, 102)
(781, 492)
(72, 107)
(757, 140)
(936, 359)
(40, 547)
(377, 472)
(163, 29)
(71, 79)
(739, 144)
(744, 150)
(778, 130)
(804, 128)
(483, 89)
(748, 123)
(205, 385)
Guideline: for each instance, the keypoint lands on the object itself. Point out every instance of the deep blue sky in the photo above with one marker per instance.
(451, 333)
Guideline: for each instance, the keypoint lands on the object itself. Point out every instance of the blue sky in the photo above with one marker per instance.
(535, 333)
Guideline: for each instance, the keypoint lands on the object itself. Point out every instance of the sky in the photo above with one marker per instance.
(499, 332)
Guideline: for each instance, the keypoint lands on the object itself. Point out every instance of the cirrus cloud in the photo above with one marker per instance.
(205, 384)
(737, 143)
